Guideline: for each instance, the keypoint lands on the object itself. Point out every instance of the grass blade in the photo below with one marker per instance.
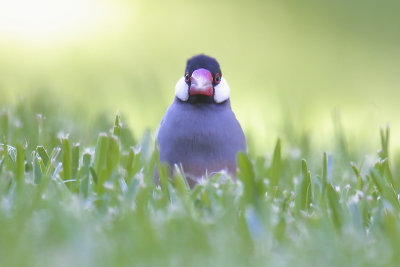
(84, 176)
(75, 161)
(247, 176)
(117, 126)
(43, 154)
(324, 174)
(4, 126)
(20, 172)
(305, 196)
(100, 154)
(333, 201)
(37, 170)
(67, 166)
(275, 167)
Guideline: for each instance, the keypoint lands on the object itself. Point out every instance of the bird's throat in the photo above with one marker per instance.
(193, 99)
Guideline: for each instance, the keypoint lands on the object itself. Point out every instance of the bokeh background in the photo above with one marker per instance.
(296, 68)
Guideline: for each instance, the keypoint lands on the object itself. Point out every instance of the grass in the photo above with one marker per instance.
(91, 201)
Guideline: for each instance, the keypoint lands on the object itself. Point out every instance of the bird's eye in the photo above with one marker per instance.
(217, 78)
(187, 77)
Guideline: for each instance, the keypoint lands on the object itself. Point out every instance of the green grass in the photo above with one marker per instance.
(88, 199)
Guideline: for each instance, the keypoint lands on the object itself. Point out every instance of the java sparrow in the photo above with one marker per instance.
(199, 131)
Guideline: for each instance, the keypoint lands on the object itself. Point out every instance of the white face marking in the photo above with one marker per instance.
(182, 89)
(222, 91)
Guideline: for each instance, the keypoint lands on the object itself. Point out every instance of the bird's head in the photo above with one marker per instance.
(202, 82)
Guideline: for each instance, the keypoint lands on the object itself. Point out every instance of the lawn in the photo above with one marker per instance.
(85, 83)
(89, 199)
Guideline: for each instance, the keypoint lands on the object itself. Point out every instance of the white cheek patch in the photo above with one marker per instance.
(222, 91)
(182, 89)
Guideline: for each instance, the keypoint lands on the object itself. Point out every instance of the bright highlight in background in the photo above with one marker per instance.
(44, 21)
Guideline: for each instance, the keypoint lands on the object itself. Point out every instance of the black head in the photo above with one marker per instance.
(203, 62)
(202, 82)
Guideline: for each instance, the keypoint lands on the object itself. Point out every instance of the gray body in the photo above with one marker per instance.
(203, 137)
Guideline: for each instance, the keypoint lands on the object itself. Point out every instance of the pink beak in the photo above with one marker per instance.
(201, 83)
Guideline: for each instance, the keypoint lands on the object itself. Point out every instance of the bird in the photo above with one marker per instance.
(199, 131)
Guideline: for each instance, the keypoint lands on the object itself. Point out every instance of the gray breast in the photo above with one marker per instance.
(202, 137)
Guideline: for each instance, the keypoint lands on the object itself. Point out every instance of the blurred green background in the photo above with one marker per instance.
(294, 67)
